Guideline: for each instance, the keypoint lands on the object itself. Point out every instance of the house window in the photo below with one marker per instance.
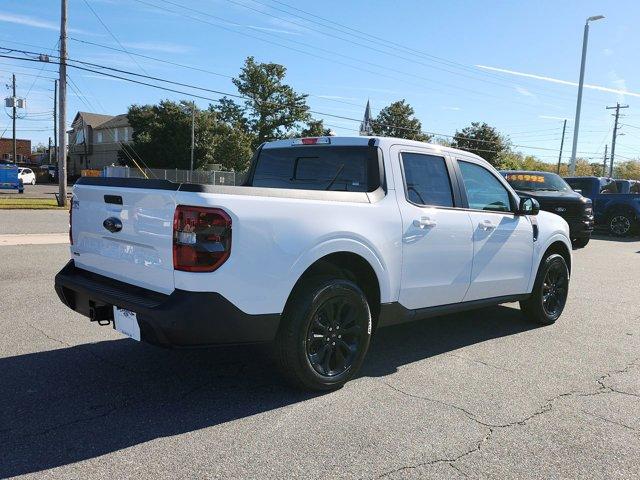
(115, 134)
(98, 137)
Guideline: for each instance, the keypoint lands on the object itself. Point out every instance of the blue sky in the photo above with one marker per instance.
(513, 65)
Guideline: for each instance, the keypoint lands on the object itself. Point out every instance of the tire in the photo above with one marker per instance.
(549, 295)
(580, 242)
(33, 182)
(621, 224)
(311, 350)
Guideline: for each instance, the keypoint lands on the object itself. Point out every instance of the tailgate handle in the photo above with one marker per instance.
(116, 199)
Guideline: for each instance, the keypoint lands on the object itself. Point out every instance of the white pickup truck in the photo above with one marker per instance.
(330, 239)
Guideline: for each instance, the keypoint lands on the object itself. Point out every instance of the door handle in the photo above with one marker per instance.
(487, 225)
(424, 222)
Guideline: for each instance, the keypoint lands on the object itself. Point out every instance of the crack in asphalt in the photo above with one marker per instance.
(481, 362)
(548, 406)
(604, 419)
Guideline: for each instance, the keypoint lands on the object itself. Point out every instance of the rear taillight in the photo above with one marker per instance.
(71, 222)
(201, 238)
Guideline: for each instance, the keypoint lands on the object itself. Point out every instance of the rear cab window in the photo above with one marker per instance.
(331, 168)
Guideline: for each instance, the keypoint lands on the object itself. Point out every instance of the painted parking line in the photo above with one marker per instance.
(33, 239)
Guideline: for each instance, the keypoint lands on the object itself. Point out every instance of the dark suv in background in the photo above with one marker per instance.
(556, 196)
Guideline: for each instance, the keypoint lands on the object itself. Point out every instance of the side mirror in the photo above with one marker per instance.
(528, 206)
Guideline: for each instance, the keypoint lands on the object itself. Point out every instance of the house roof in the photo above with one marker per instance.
(114, 122)
(92, 119)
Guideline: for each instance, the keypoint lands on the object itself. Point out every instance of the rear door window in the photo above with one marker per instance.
(427, 180)
(347, 169)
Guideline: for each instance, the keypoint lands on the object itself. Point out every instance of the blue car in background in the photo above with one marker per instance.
(9, 178)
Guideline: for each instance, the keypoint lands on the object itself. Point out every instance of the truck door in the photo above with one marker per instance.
(437, 243)
(502, 240)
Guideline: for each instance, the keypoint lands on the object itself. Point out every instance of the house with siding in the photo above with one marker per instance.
(95, 140)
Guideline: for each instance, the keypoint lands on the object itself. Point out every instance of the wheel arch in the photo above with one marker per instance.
(561, 248)
(349, 265)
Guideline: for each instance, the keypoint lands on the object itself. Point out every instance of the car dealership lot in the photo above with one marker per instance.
(481, 394)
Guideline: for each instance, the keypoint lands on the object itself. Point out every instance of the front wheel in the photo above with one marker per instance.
(549, 296)
(33, 182)
(325, 334)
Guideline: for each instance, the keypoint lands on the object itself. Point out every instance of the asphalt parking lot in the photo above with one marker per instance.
(475, 395)
(40, 190)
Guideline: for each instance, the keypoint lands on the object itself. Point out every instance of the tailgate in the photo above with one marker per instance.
(141, 251)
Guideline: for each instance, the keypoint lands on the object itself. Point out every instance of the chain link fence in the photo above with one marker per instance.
(205, 177)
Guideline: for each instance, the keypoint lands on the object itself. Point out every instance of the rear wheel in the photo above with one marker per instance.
(621, 224)
(325, 334)
(549, 296)
(33, 182)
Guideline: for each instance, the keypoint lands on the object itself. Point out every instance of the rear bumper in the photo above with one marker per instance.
(181, 319)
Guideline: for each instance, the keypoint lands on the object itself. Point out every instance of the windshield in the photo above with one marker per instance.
(538, 181)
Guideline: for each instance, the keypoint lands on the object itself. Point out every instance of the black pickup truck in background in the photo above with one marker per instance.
(556, 196)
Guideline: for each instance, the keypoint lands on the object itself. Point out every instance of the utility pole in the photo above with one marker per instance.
(564, 128)
(13, 117)
(62, 110)
(604, 161)
(615, 134)
(193, 139)
(55, 118)
(49, 150)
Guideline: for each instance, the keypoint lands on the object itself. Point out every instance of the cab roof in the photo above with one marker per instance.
(383, 142)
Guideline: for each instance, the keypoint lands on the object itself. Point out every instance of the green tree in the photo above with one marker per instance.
(162, 135)
(629, 170)
(398, 120)
(315, 128)
(483, 140)
(272, 109)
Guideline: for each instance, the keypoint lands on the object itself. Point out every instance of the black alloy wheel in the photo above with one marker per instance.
(334, 336)
(324, 334)
(549, 295)
(554, 290)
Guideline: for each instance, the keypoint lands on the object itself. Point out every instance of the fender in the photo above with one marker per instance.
(357, 246)
(540, 247)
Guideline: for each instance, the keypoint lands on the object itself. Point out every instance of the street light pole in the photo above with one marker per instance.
(576, 124)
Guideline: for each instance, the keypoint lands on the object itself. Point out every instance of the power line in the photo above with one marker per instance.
(269, 103)
(385, 42)
(475, 93)
(95, 14)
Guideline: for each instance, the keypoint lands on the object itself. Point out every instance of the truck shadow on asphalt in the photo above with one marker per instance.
(79, 402)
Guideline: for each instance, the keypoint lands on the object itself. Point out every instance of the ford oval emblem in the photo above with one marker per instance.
(112, 224)
(561, 209)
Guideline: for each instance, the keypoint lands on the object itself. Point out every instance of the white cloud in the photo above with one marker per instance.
(618, 82)
(455, 109)
(28, 21)
(161, 47)
(523, 91)
(551, 117)
(607, 51)
(557, 80)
